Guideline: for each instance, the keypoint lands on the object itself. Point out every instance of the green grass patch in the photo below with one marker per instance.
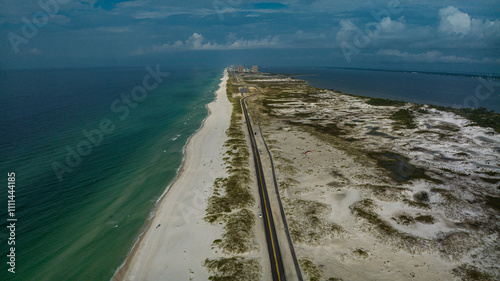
(445, 193)
(287, 183)
(312, 270)
(287, 169)
(468, 272)
(387, 193)
(232, 194)
(490, 173)
(238, 232)
(234, 268)
(423, 111)
(448, 127)
(311, 99)
(401, 170)
(427, 219)
(360, 253)
(211, 218)
(405, 219)
(283, 160)
(385, 102)
(416, 204)
(310, 224)
(304, 114)
(481, 116)
(426, 132)
(493, 202)
(404, 118)
(490, 180)
(363, 209)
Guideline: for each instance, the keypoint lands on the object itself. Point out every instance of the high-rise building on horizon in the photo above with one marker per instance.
(241, 68)
(255, 69)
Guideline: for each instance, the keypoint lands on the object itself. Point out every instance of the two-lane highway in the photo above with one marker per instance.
(277, 268)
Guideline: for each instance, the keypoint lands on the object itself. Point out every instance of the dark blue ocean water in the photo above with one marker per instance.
(424, 88)
(81, 225)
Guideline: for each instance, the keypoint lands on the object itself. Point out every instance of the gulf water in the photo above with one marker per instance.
(445, 89)
(81, 223)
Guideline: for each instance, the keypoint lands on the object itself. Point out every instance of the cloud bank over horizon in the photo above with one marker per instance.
(325, 33)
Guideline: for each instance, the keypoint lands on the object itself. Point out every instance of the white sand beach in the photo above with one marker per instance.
(177, 249)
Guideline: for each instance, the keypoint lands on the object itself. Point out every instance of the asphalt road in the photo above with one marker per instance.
(290, 244)
(278, 271)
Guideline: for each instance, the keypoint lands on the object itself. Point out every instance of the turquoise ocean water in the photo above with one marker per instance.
(82, 225)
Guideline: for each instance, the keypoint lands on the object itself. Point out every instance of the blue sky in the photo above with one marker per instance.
(462, 36)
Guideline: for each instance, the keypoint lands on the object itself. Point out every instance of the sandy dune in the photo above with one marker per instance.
(375, 200)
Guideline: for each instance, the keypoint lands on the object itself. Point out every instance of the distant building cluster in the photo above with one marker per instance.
(243, 69)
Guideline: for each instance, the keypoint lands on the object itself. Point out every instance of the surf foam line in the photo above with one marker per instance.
(152, 214)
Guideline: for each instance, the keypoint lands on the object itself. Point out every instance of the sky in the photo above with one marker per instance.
(452, 36)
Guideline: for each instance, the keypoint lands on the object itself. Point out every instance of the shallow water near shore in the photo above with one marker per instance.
(82, 226)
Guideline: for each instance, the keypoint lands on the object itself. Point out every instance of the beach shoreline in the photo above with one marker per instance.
(211, 134)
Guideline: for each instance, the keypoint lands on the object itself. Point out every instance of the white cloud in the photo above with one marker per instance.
(390, 26)
(198, 42)
(485, 28)
(347, 25)
(221, 9)
(164, 12)
(491, 60)
(471, 32)
(371, 33)
(453, 21)
(345, 33)
(455, 29)
(385, 25)
(195, 41)
(268, 42)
